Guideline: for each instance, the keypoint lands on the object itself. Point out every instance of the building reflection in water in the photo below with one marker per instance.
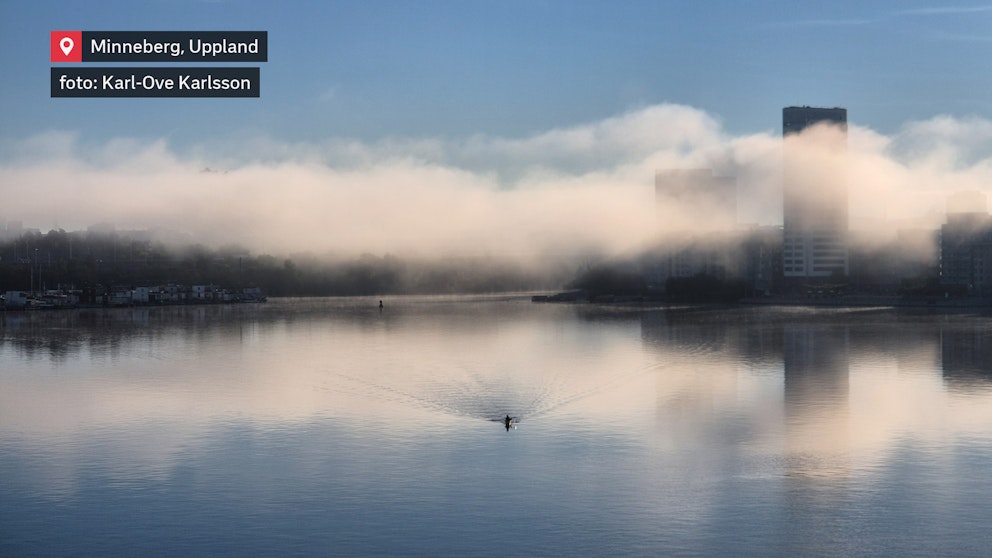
(822, 400)
(849, 379)
(817, 467)
(816, 368)
(966, 358)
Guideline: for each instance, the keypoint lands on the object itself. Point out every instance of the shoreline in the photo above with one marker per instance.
(851, 301)
(861, 301)
(569, 297)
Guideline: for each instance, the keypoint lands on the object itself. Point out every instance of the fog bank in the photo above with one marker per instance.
(565, 192)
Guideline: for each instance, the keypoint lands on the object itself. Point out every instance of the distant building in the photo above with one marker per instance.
(966, 254)
(815, 212)
(17, 299)
(141, 295)
(11, 229)
(760, 259)
(697, 211)
(205, 292)
(906, 261)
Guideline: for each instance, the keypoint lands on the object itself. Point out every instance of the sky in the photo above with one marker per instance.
(372, 110)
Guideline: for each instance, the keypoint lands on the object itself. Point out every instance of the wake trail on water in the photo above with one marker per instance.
(564, 398)
(473, 393)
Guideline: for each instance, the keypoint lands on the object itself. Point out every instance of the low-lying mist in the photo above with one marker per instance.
(563, 195)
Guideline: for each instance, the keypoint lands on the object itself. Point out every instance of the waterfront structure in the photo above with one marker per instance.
(966, 247)
(905, 261)
(815, 212)
(760, 259)
(10, 229)
(697, 212)
(124, 295)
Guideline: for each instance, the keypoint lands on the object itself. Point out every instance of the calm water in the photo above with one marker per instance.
(324, 427)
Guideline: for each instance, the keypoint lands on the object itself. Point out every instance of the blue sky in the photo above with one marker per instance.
(375, 69)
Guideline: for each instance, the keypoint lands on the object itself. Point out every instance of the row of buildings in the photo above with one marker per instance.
(812, 252)
(128, 296)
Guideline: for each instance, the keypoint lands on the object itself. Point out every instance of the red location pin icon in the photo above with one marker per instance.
(66, 46)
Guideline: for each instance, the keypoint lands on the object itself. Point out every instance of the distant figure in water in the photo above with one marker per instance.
(507, 422)
(380, 306)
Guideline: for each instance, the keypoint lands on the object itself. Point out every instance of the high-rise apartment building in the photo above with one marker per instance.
(815, 218)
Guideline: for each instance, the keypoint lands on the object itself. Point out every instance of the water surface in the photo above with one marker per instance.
(327, 427)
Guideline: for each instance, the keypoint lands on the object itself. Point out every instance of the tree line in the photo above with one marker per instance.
(36, 261)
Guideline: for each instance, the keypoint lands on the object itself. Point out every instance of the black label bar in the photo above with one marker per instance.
(155, 82)
(175, 46)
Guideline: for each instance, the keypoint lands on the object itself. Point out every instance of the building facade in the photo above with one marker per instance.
(697, 213)
(966, 254)
(815, 198)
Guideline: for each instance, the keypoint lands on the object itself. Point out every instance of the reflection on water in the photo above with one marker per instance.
(328, 427)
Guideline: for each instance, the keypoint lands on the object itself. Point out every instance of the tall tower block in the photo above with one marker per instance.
(815, 215)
